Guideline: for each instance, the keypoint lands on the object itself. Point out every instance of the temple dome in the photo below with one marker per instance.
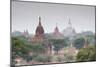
(39, 30)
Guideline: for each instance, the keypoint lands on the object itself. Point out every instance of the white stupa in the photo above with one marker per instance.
(69, 31)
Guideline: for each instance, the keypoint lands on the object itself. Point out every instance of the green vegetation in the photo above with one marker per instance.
(58, 44)
(91, 39)
(38, 48)
(19, 48)
(69, 58)
(22, 49)
(87, 54)
(79, 42)
(42, 58)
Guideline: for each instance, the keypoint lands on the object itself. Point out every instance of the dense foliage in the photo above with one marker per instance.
(79, 42)
(58, 44)
(22, 49)
(87, 54)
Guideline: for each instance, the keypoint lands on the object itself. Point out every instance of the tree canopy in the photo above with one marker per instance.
(87, 54)
(79, 42)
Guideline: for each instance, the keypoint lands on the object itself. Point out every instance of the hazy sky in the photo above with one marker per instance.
(25, 16)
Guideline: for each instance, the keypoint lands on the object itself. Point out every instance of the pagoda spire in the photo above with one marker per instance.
(56, 29)
(69, 23)
(39, 21)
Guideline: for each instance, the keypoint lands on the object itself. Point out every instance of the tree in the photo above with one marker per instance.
(42, 58)
(79, 42)
(87, 54)
(57, 47)
(91, 39)
(58, 44)
(69, 58)
(38, 48)
(20, 48)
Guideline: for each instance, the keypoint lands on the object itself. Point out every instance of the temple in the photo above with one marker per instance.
(39, 37)
(39, 33)
(56, 34)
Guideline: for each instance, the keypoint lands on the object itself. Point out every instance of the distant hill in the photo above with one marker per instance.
(87, 33)
(16, 33)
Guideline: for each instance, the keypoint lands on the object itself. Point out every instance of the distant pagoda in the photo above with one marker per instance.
(56, 34)
(69, 31)
(25, 33)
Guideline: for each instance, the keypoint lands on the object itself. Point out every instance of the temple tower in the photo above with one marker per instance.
(39, 33)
